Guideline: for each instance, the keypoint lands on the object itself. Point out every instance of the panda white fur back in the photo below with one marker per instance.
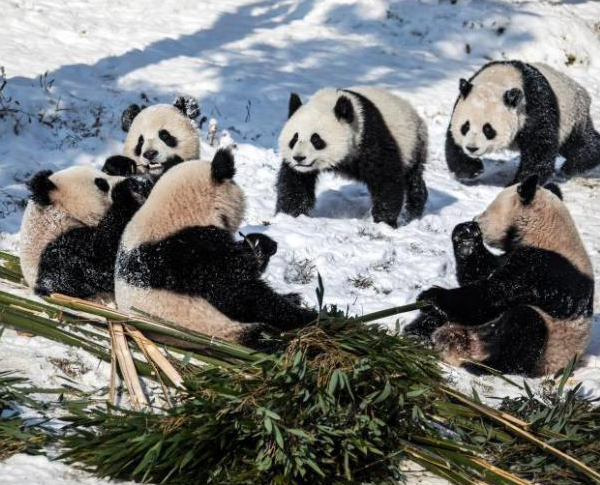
(179, 260)
(365, 133)
(528, 311)
(158, 137)
(531, 108)
(71, 230)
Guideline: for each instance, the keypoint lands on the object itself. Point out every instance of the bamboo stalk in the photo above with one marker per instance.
(370, 317)
(124, 358)
(152, 351)
(510, 424)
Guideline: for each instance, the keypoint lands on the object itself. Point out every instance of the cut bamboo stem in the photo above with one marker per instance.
(153, 352)
(125, 360)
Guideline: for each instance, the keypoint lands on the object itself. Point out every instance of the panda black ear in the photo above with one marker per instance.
(128, 116)
(188, 106)
(40, 187)
(527, 189)
(294, 103)
(513, 97)
(344, 110)
(464, 87)
(555, 189)
(222, 166)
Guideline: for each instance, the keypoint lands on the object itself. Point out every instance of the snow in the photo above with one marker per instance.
(241, 59)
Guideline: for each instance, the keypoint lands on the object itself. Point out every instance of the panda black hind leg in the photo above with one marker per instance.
(581, 149)
(416, 190)
(511, 344)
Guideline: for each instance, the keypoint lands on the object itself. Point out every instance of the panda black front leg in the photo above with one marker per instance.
(537, 156)
(387, 196)
(460, 164)
(295, 191)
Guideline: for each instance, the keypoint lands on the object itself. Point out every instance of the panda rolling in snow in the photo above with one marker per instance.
(528, 311)
(178, 258)
(530, 108)
(71, 230)
(158, 137)
(364, 133)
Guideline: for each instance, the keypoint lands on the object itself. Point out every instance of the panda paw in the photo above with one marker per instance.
(466, 238)
(132, 191)
(438, 297)
(119, 165)
(470, 171)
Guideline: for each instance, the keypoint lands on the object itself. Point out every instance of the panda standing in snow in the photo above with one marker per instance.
(158, 137)
(71, 230)
(364, 133)
(179, 260)
(530, 108)
(528, 311)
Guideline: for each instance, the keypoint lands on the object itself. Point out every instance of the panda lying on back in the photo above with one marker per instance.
(364, 133)
(72, 227)
(528, 311)
(531, 108)
(158, 137)
(178, 259)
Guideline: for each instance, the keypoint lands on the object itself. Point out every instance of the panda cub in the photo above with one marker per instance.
(71, 230)
(528, 311)
(530, 108)
(158, 137)
(178, 258)
(364, 133)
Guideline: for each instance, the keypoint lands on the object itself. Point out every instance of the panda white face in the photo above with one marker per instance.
(321, 133)
(158, 133)
(487, 119)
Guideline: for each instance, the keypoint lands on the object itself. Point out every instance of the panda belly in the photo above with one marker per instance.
(190, 312)
(565, 339)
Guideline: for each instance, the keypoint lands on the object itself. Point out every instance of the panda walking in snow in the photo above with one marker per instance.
(530, 108)
(158, 137)
(528, 311)
(364, 133)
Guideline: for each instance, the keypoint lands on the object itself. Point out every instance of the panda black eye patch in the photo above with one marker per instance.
(138, 147)
(102, 184)
(317, 141)
(464, 129)
(489, 132)
(293, 140)
(167, 138)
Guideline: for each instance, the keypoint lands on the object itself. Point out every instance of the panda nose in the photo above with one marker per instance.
(472, 149)
(299, 158)
(150, 154)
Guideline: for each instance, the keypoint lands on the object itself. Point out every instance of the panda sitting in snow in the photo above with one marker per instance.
(364, 133)
(158, 137)
(530, 108)
(179, 260)
(528, 311)
(71, 229)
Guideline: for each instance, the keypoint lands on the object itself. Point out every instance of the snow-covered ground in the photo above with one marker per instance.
(241, 59)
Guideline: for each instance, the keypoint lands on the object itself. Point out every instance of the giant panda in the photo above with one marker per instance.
(71, 230)
(178, 258)
(365, 133)
(527, 311)
(530, 108)
(158, 137)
